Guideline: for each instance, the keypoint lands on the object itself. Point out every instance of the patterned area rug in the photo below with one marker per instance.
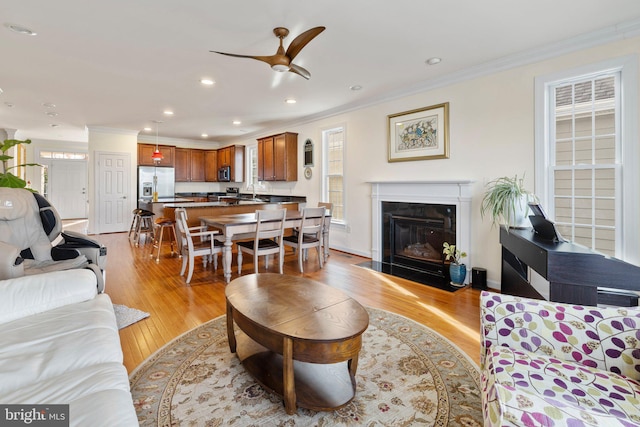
(407, 375)
(126, 316)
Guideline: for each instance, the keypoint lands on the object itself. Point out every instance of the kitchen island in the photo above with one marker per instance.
(197, 209)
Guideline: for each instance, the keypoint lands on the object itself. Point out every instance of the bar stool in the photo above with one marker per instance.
(134, 221)
(144, 226)
(160, 224)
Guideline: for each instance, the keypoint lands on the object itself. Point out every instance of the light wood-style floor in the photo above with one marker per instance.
(135, 279)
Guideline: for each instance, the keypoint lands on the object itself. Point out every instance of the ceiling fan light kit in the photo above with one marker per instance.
(283, 60)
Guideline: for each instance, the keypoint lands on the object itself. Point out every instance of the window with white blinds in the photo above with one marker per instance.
(333, 143)
(587, 155)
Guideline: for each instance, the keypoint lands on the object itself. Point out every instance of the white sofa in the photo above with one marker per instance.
(59, 344)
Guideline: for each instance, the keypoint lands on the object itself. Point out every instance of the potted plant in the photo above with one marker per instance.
(506, 202)
(457, 270)
(7, 179)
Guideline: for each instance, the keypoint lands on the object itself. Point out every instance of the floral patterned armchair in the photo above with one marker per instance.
(552, 364)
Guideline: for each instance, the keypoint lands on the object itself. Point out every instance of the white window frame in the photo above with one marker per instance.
(627, 199)
(325, 171)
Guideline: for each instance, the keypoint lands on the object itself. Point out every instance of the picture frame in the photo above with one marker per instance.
(421, 134)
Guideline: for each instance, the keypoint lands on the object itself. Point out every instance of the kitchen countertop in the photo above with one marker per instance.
(166, 200)
(211, 204)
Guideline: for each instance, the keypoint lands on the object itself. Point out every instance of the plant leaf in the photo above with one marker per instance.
(12, 181)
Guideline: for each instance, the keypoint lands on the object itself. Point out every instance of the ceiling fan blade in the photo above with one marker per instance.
(268, 59)
(301, 41)
(299, 71)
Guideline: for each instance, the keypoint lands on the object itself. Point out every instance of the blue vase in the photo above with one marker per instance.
(457, 272)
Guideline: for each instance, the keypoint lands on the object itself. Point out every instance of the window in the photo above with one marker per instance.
(62, 155)
(333, 169)
(252, 166)
(584, 166)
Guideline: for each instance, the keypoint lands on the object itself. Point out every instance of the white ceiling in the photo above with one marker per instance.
(121, 63)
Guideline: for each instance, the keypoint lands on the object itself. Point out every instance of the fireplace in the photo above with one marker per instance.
(413, 234)
(411, 221)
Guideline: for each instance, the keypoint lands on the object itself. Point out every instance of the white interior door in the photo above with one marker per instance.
(68, 187)
(113, 177)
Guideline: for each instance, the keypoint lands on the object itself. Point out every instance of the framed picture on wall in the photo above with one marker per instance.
(421, 134)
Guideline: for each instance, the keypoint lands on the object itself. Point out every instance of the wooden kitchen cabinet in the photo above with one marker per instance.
(232, 156)
(189, 164)
(211, 165)
(145, 151)
(278, 157)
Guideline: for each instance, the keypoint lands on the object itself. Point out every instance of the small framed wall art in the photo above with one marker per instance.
(421, 134)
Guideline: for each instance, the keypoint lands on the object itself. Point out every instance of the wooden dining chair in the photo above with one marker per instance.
(309, 234)
(195, 241)
(268, 239)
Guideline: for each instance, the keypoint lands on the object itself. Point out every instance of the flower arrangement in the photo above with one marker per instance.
(452, 253)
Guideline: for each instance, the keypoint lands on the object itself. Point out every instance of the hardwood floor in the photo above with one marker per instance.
(134, 278)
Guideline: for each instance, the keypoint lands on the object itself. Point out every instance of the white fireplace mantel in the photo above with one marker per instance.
(445, 192)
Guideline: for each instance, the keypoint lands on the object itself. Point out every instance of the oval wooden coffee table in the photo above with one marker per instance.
(297, 337)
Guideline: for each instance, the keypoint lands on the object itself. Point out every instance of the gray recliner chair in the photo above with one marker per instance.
(32, 241)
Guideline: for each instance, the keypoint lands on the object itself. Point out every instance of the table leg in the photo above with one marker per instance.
(231, 334)
(288, 381)
(226, 258)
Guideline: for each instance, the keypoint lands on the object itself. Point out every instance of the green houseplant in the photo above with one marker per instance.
(457, 270)
(7, 179)
(505, 201)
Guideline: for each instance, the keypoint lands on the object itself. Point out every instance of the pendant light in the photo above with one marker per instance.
(157, 155)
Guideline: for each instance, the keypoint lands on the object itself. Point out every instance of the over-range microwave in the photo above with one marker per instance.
(224, 174)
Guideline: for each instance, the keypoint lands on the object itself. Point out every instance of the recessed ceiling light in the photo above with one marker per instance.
(53, 125)
(290, 101)
(204, 135)
(433, 61)
(147, 129)
(20, 29)
(355, 87)
(1, 91)
(168, 113)
(207, 82)
(237, 122)
(51, 113)
(48, 105)
(8, 104)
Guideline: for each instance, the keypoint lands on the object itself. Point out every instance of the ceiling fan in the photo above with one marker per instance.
(282, 61)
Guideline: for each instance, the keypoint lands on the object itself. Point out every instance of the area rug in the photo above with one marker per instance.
(407, 375)
(126, 316)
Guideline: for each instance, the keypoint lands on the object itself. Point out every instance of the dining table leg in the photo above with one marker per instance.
(226, 258)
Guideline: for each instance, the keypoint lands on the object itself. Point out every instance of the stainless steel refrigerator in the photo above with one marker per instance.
(166, 178)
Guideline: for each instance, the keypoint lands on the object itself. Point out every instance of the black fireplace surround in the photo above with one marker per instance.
(412, 238)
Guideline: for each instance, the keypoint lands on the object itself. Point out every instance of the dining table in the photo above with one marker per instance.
(241, 226)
